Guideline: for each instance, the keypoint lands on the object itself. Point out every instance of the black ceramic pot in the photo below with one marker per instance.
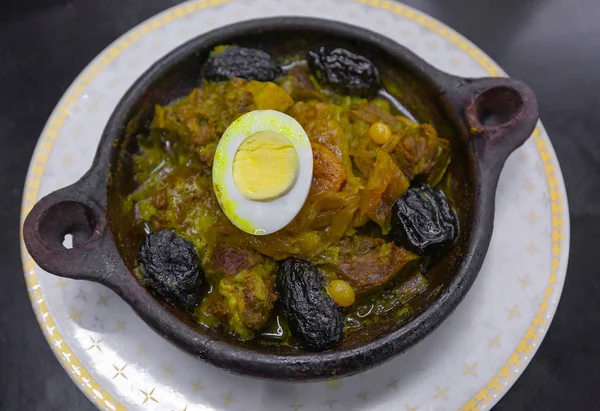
(486, 119)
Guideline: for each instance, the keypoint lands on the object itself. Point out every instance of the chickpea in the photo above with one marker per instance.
(341, 292)
(380, 132)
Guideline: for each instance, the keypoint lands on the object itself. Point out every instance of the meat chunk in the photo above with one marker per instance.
(213, 310)
(249, 297)
(328, 173)
(373, 269)
(423, 152)
(229, 259)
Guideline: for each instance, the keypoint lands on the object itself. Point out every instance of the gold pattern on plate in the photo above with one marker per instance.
(408, 408)
(515, 362)
(494, 342)
(167, 370)
(470, 369)
(61, 283)
(149, 396)
(121, 325)
(95, 344)
(119, 372)
(525, 281)
(441, 392)
(67, 160)
(228, 398)
(381, 22)
(522, 156)
(529, 186)
(513, 312)
(333, 384)
(533, 217)
(141, 350)
(102, 300)
(531, 249)
(197, 386)
(75, 315)
(363, 395)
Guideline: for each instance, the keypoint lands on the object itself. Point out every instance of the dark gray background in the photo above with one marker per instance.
(553, 45)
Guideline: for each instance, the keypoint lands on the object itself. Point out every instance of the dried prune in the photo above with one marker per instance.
(314, 318)
(423, 221)
(171, 267)
(345, 71)
(234, 61)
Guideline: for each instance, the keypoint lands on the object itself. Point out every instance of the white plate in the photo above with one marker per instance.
(468, 363)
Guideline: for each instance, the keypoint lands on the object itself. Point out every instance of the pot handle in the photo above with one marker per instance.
(499, 114)
(70, 211)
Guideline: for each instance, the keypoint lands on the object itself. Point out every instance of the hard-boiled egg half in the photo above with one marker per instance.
(262, 171)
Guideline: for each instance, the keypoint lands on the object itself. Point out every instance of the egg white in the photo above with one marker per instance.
(261, 217)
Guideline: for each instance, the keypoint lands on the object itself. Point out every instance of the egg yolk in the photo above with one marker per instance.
(265, 166)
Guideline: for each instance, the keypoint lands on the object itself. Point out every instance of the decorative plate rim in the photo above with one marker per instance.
(489, 394)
